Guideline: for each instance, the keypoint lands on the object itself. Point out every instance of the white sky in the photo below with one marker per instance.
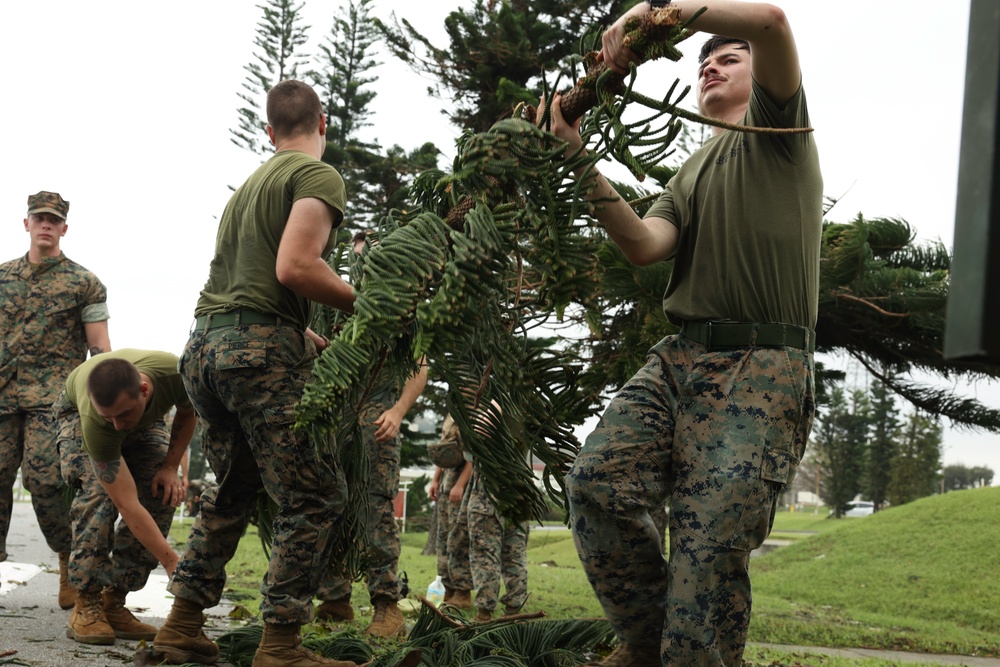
(125, 109)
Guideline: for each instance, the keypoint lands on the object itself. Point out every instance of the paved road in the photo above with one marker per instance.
(33, 627)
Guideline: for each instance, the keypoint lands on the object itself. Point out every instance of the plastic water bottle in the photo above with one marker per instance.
(435, 592)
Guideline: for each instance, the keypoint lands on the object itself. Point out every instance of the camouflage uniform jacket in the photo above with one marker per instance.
(43, 309)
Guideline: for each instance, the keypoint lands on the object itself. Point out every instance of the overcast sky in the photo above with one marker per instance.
(125, 109)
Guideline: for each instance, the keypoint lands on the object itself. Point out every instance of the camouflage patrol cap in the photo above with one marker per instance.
(48, 202)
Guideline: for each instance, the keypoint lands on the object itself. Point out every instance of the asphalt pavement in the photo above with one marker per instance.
(33, 627)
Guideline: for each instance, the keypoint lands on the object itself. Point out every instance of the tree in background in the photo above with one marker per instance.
(882, 445)
(280, 35)
(980, 476)
(341, 73)
(343, 76)
(917, 464)
(497, 53)
(841, 438)
(417, 500)
(958, 477)
(377, 181)
(383, 179)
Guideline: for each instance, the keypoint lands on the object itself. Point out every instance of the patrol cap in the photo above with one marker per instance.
(48, 202)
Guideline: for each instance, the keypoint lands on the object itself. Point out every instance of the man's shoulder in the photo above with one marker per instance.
(75, 268)
(13, 264)
(147, 361)
(298, 162)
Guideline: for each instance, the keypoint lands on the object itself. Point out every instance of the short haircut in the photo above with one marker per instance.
(716, 42)
(109, 378)
(359, 237)
(293, 108)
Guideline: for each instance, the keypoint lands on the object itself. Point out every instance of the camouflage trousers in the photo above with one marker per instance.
(105, 553)
(383, 546)
(498, 550)
(717, 435)
(28, 441)
(453, 538)
(244, 382)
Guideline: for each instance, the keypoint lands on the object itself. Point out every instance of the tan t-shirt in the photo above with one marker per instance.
(749, 211)
(242, 274)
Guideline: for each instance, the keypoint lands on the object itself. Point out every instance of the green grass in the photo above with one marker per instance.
(920, 577)
(795, 526)
(807, 520)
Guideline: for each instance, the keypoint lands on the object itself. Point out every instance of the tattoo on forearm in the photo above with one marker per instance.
(96, 350)
(106, 471)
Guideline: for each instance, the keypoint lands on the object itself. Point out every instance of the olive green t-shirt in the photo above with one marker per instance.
(242, 273)
(749, 211)
(100, 439)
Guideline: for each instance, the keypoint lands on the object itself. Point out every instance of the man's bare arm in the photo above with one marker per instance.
(97, 337)
(119, 484)
(166, 482)
(775, 62)
(389, 421)
(301, 266)
(643, 241)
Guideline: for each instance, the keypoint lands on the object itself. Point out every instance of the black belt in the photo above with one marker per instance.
(233, 318)
(722, 335)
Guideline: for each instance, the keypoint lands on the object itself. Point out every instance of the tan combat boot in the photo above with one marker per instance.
(623, 656)
(181, 639)
(448, 593)
(335, 611)
(67, 594)
(87, 622)
(461, 599)
(387, 621)
(125, 625)
(483, 615)
(280, 647)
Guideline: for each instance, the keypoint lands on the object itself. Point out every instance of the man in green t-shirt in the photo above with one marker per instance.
(717, 421)
(116, 451)
(245, 366)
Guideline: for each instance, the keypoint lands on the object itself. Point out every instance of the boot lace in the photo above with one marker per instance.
(92, 608)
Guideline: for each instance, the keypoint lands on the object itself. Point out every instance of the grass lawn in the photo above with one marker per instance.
(920, 577)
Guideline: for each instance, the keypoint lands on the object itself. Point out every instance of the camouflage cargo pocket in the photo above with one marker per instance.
(72, 458)
(776, 469)
(231, 355)
(60, 303)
